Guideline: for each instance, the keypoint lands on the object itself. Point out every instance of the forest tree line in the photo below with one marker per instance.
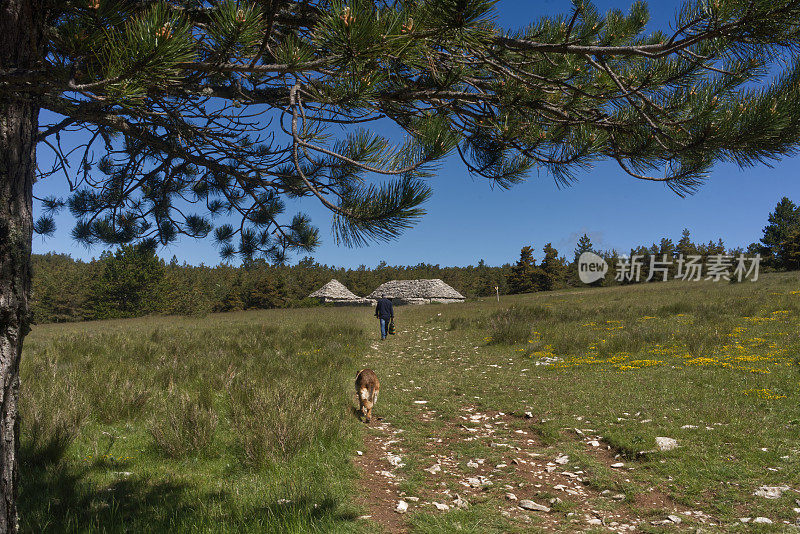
(133, 281)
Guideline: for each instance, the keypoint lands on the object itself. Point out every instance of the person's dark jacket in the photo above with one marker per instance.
(384, 309)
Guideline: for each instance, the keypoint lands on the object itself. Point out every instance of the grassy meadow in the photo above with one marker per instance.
(244, 421)
(227, 423)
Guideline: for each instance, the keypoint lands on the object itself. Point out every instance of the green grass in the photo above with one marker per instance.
(229, 423)
(243, 422)
(631, 363)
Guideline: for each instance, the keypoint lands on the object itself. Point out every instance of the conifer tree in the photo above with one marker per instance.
(789, 250)
(584, 245)
(783, 222)
(554, 269)
(162, 115)
(524, 274)
(685, 245)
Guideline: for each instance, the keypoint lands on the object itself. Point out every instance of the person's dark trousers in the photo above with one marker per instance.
(384, 323)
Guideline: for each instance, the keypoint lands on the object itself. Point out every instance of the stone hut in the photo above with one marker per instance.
(417, 292)
(335, 292)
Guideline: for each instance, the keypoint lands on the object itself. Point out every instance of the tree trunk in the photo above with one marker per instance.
(21, 24)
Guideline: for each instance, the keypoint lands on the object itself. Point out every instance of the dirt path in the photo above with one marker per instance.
(509, 471)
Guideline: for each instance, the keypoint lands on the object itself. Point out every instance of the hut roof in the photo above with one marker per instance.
(334, 290)
(429, 289)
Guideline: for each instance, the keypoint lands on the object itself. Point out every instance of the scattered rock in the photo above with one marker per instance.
(765, 520)
(459, 502)
(441, 506)
(412, 499)
(402, 507)
(618, 497)
(527, 504)
(618, 465)
(395, 460)
(359, 453)
(511, 497)
(689, 427)
(675, 519)
(744, 519)
(666, 444)
(561, 459)
(594, 443)
(473, 464)
(435, 468)
(770, 492)
(528, 415)
(478, 482)
(594, 521)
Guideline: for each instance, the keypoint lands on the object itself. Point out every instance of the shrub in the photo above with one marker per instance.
(52, 412)
(508, 327)
(277, 420)
(184, 426)
(117, 396)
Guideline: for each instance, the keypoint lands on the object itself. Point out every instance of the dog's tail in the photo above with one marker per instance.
(365, 393)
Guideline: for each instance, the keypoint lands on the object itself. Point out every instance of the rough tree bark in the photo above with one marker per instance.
(21, 23)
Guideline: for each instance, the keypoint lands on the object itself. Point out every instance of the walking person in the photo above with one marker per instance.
(384, 311)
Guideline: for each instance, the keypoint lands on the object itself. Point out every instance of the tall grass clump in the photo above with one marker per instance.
(277, 420)
(184, 424)
(52, 412)
(514, 325)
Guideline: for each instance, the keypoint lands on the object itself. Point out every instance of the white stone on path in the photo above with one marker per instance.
(459, 502)
(395, 460)
(402, 507)
(527, 504)
(770, 492)
(666, 444)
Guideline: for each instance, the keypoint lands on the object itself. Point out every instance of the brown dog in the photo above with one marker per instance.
(367, 387)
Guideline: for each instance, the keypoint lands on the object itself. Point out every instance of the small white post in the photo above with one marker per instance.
(497, 290)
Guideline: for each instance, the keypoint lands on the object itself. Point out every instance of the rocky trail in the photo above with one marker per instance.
(476, 457)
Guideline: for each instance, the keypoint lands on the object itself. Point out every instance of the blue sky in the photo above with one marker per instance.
(468, 221)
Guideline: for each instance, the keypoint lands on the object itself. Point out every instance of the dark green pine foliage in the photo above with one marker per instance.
(212, 115)
(584, 245)
(525, 276)
(554, 270)
(790, 250)
(685, 245)
(777, 240)
(128, 284)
